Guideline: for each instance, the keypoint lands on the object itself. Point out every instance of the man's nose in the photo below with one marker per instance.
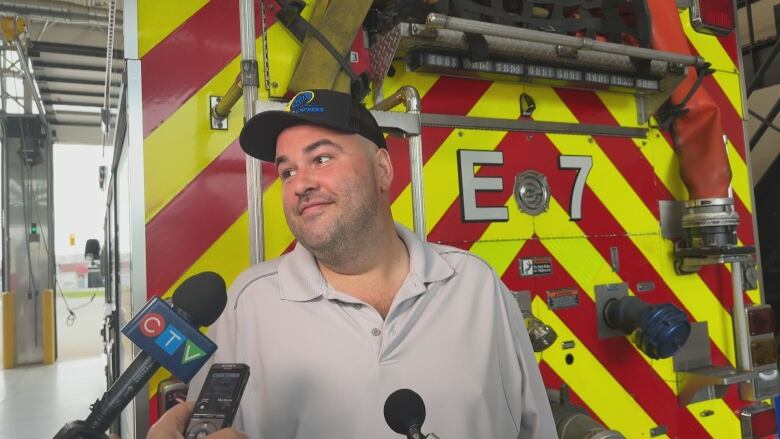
(304, 183)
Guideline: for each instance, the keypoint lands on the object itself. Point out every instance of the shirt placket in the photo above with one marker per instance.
(373, 326)
(379, 332)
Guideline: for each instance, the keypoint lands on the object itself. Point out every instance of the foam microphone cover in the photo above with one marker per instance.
(404, 408)
(202, 297)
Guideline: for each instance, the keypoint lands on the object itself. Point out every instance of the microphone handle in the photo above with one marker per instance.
(111, 404)
(415, 433)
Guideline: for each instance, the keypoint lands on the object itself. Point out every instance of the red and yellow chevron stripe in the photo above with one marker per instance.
(196, 201)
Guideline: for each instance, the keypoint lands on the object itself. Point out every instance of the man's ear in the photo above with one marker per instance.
(384, 169)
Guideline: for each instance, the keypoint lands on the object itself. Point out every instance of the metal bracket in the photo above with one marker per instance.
(641, 110)
(398, 123)
(644, 287)
(695, 353)
(614, 256)
(527, 105)
(249, 75)
(766, 385)
(658, 431)
(423, 31)
(690, 260)
(697, 379)
(676, 73)
(749, 275)
(667, 113)
(523, 300)
(605, 293)
(500, 124)
(217, 123)
(710, 382)
(671, 212)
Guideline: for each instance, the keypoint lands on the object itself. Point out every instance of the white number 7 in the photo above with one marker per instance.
(583, 164)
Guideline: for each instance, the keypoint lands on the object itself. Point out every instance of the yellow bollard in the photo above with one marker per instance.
(48, 326)
(9, 331)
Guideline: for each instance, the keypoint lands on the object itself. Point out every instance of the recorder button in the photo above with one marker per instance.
(201, 430)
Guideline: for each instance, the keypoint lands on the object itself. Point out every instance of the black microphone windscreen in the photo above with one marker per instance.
(202, 296)
(403, 409)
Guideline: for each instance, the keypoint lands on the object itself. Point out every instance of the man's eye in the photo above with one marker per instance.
(322, 159)
(286, 173)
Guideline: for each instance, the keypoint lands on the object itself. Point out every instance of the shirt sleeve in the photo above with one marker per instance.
(536, 420)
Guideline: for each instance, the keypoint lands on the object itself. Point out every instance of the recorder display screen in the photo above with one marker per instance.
(223, 385)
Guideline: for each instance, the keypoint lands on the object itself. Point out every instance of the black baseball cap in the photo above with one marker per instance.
(325, 108)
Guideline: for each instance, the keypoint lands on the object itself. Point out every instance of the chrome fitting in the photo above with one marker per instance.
(710, 222)
(542, 335)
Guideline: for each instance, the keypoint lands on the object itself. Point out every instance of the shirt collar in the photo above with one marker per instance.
(425, 263)
(300, 278)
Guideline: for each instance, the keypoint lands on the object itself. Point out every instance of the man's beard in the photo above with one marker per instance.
(338, 244)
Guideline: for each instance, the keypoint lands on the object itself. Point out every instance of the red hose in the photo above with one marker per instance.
(697, 134)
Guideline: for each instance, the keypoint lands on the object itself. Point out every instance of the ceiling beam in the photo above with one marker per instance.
(45, 78)
(73, 102)
(50, 90)
(76, 124)
(37, 47)
(37, 63)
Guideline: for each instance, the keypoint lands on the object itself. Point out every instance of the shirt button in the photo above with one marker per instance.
(358, 306)
(375, 332)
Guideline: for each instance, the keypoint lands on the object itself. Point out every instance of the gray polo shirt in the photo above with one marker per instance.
(323, 363)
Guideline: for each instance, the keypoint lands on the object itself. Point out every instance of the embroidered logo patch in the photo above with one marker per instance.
(301, 103)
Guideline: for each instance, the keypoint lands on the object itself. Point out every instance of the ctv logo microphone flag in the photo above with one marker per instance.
(169, 339)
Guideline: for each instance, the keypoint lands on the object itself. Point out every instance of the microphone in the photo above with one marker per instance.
(405, 414)
(167, 336)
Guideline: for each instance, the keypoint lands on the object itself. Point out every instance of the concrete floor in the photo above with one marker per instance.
(36, 401)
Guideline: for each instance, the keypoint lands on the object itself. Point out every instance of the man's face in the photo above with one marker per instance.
(332, 185)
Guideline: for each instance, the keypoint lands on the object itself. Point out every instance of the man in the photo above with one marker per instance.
(361, 307)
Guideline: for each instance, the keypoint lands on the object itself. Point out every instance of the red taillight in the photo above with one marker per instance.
(764, 423)
(761, 320)
(713, 16)
(758, 422)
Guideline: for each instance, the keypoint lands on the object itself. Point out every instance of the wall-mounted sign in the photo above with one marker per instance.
(535, 266)
(563, 298)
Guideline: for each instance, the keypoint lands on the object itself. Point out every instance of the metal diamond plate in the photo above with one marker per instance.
(382, 54)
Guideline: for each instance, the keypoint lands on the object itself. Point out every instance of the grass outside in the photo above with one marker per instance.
(83, 294)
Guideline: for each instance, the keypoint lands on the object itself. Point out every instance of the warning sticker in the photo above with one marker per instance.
(563, 298)
(536, 266)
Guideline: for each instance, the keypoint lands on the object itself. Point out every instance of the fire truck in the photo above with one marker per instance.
(592, 152)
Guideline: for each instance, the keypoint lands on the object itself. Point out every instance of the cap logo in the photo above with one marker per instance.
(301, 103)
